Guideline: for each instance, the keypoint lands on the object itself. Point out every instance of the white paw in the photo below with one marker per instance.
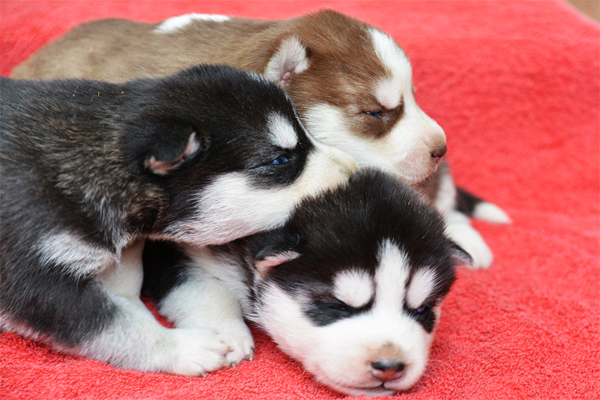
(490, 212)
(197, 351)
(238, 338)
(463, 234)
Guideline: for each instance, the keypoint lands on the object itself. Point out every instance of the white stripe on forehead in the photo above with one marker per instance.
(176, 23)
(354, 288)
(391, 277)
(421, 287)
(282, 130)
(390, 89)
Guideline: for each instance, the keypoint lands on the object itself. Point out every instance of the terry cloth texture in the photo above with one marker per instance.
(515, 85)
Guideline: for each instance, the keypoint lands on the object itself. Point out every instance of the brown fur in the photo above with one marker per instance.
(342, 62)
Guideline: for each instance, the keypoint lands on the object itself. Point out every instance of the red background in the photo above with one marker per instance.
(515, 85)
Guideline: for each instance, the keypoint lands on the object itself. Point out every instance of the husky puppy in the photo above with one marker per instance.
(352, 85)
(350, 286)
(91, 169)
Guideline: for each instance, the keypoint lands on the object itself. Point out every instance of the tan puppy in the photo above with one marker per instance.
(351, 83)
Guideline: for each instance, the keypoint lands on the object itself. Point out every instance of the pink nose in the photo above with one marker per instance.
(439, 153)
(387, 370)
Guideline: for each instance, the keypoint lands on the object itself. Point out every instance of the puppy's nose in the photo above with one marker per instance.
(439, 153)
(387, 370)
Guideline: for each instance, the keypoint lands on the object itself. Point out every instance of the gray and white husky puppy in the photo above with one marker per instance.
(90, 170)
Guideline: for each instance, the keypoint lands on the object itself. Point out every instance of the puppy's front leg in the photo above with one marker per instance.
(193, 289)
(126, 279)
(139, 341)
(458, 225)
(203, 301)
(135, 340)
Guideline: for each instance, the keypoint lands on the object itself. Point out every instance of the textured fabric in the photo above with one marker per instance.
(515, 85)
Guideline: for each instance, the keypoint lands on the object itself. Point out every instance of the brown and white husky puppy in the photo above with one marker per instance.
(351, 83)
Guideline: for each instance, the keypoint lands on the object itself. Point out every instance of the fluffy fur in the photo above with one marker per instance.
(91, 169)
(351, 286)
(352, 85)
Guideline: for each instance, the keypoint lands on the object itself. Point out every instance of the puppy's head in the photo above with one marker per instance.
(352, 285)
(229, 150)
(352, 85)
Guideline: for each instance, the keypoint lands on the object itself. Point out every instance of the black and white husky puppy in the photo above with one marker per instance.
(350, 286)
(91, 169)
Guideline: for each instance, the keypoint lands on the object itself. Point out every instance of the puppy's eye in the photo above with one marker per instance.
(281, 160)
(376, 114)
(341, 307)
(424, 309)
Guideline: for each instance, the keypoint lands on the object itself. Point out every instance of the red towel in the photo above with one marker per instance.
(515, 84)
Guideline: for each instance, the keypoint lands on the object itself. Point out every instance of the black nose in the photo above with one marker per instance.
(387, 370)
(439, 153)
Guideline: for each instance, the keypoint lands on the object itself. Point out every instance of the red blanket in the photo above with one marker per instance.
(515, 84)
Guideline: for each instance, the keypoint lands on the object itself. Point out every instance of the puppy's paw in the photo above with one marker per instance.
(197, 352)
(239, 339)
(463, 234)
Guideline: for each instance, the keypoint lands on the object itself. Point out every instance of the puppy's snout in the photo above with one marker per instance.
(387, 370)
(438, 153)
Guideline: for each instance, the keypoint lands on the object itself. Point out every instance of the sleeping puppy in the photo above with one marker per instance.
(351, 83)
(351, 286)
(91, 169)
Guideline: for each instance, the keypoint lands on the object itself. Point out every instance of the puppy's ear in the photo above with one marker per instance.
(461, 257)
(273, 248)
(290, 58)
(265, 265)
(165, 167)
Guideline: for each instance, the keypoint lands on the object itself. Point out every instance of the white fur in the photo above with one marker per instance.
(126, 277)
(73, 254)
(176, 23)
(229, 272)
(289, 59)
(390, 91)
(135, 340)
(392, 276)
(282, 130)
(445, 201)
(421, 287)
(458, 225)
(224, 214)
(340, 354)
(459, 229)
(353, 287)
(203, 301)
(491, 213)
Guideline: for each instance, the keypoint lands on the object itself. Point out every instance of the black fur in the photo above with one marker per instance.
(466, 202)
(165, 268)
